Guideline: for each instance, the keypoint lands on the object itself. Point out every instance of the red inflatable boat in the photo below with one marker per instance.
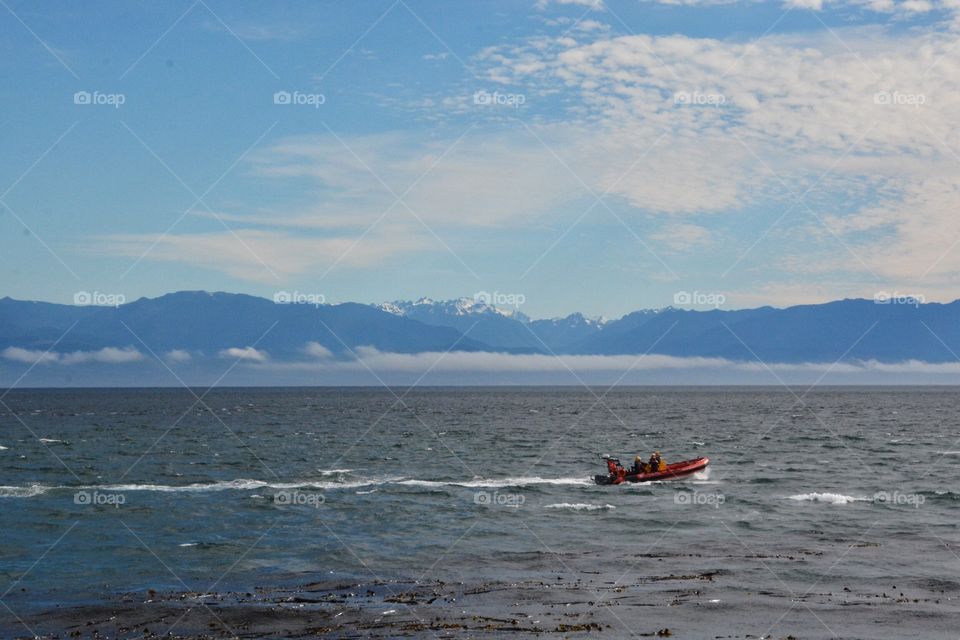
(617, 474)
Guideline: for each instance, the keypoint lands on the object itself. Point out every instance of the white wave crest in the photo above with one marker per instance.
(22, 492)
(579, 506)
(497, 483)
(246, 484)
(831, 498)
(241, 484)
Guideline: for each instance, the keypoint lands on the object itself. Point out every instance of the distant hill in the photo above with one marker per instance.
(206, 324)
(845, 330)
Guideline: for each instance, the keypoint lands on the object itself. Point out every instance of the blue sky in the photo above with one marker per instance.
(591, 156)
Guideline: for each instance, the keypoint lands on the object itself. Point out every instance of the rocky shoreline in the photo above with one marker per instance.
(376, 610)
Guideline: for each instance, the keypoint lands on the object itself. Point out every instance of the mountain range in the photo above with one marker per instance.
(195, 325)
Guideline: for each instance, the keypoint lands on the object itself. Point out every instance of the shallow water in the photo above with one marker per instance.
(817, 512)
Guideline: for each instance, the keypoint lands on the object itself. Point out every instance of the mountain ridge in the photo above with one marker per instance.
(210, 323)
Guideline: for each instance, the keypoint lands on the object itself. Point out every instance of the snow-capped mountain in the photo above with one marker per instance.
(456, 307)
(502, 328)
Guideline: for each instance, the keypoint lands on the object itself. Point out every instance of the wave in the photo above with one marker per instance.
(3, 448)
(52, 441)
(245, 484)
(701, 477)
(333, 472)
(831, 498)
(497, 483)
(940, 494)
(22, 492)
(579, 506)
(948, 453)
(241, 484)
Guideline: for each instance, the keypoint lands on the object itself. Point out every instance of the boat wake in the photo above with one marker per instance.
(244, 484)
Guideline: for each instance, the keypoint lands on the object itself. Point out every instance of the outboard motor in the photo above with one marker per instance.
(616, 472)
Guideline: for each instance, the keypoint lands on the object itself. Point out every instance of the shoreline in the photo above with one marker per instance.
(589, 605)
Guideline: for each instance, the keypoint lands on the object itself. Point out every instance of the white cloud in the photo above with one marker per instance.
(483, 362)
(267, 255)
(245, 353)
(178, 355)
(678, 237)
(484, 178)
(28, 356)
(905, 7)
(865, 118)
(664, 126)
(317, 350)
(594, 4)
(107, 355)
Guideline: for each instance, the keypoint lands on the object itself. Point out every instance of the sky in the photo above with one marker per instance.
(580, 155)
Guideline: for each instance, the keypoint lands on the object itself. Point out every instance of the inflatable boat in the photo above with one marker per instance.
(617, 474)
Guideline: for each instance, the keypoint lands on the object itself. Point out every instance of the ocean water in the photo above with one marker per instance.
(828, 513)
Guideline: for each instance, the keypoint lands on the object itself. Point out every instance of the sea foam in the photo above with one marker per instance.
(579, 506)
(831, 498)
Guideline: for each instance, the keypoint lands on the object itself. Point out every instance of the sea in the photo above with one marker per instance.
(824, 513)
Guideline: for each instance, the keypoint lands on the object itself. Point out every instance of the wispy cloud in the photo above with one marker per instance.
(484, 362)
(594, 4)
(317, 350)
(863, 118)
(259, 32)
(179, 356)
(258, 254)
(107, 355)
(245, 353)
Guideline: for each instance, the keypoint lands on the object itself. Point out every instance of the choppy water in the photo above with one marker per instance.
(821, 515)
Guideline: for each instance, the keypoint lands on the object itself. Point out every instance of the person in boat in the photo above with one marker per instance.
(613, 466)
(638, 466)
(657, 463)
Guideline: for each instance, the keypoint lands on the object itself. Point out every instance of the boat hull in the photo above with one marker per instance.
(675, 471)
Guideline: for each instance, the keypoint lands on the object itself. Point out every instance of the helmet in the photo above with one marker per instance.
(637, 459)
(656, 453)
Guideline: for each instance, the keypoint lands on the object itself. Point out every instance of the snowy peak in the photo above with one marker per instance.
(458, 307)
(579, 320)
